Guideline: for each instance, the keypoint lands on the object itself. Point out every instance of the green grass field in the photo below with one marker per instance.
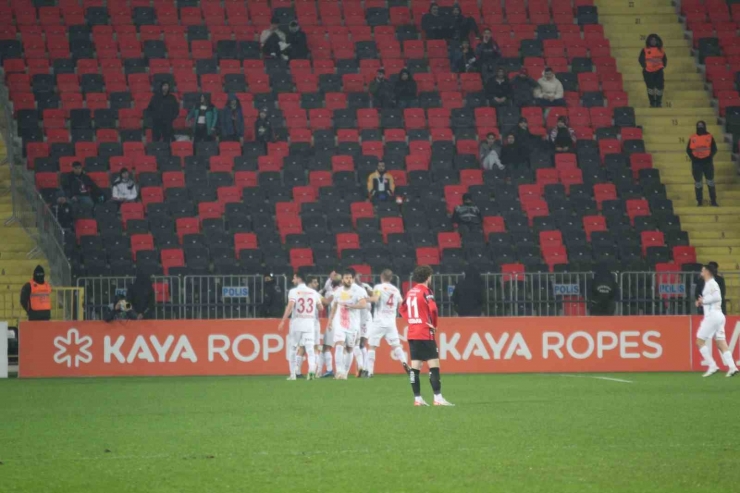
(508, 433)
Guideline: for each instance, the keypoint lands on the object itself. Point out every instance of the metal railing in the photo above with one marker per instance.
(67, 303)
(102, 294)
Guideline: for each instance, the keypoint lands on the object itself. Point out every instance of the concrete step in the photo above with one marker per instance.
(727, 262)
(713, 234)
(636, 41)
(676, 87)
(675, 67)
(719, 180)
(609, 10)
(685, 129)
(670, 113)
(672, 102)
(670, 78)
(714, 251)
(628, 19)
(717, 243)
(673, 172)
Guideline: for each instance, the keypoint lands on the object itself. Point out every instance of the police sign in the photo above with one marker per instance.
(677, 289)
(235, 292)
(566, 289)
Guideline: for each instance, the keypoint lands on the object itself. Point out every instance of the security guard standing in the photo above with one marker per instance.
(653, 61)
(701, 150)
(36, 296)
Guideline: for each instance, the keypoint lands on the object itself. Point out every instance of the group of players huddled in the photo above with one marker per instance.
(359, 317)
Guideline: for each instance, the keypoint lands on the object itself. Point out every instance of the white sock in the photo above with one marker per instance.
(319, 358)
(298, 364)
(364, 358)
(339, 359)
(727, 358)
(359, 357)
(399, 354)
(418, 398)
(370, 361)
(311, 357)
(706, 353)
(291, 364)
(327, 361)
(438, 397)
(347, 361)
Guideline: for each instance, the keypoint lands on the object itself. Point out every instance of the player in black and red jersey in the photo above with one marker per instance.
(420, 311)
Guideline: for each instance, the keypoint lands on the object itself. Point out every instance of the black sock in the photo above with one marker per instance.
(435, 381)
(651, 98)
(699, 192)
(713, 195)
(415, 384)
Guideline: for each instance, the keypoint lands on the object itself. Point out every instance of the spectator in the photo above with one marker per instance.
(381, 90)
(272, 40)
(163, 109)
(141, 295)
(272, 298)
(467, 216)
(498, 89)
(79, 187)
(524, 137)
(63, 211)
(488, 154)
(121, 310)
(467, 299)
(563, 138)
(434, 25)
(551, 89)
(604, 292)
(488, 53)
(263, 128)
(513, 154)
(203, 118)
(380, 185)
(297, 42)
(464, 59)
(405, 90)
(36, 296)
(124, 188)
(523, 88)
(232, 120)
(462, 25)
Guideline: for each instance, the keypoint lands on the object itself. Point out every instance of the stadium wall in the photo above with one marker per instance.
(467, 345)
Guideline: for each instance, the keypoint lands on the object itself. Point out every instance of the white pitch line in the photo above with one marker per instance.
(597, 378)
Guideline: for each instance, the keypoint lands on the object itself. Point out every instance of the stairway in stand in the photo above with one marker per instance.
(714, 232)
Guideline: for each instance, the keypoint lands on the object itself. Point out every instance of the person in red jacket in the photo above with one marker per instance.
(420, 311)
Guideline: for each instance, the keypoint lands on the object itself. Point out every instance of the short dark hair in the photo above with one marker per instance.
(77, 164)
(300, 274)
(386, 275)
(715, 264)
(349, 270)
(548, 69)
(491, 134)
(311, 279)
(711, 268)
(421, 274)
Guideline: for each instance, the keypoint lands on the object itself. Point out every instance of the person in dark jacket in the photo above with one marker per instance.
(263, 128)
(273, 300)
(79, 187)
(513, 154)
(653, 62)
(498, 89)
(523, 87)
(468, 215)
(36, 296)
(524, 137)
(203, 117)
(163, 109)
(141, 295)
(272, 40)
(464, 59)
(467, 299)
(604, 292)
(232, 120)
(563, 138)
(120, 310)
(434, 25)
(488, 54)
(462, 25)
(405, 90)
(297, 42)
(63, 211)
(701, 149)
(381, 90)
(722, 288)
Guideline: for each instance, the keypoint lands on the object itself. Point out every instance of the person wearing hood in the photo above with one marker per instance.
(523, 88)
(498, 89)
(297, 42)
(551, 89)
(79, 187)
(488, 54)
(272, 40)
(653, 62)
(36, 296)
(381, 90)
(604, 292)
(464, 59)
(63, 211)
(232, 120)
(467, 215)
(434, 25)
(488, 153)
(462, 25)
(273, 299)
(405, 90)
(124, 188)
(467, 298)
(163, 109)
(514, 154)
(701, 150)
(203, 118)
(263, 128)
(563, 137)
(141, 295)
(524, 137)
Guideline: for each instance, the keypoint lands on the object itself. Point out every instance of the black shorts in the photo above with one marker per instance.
(654, 80)
(423, 350)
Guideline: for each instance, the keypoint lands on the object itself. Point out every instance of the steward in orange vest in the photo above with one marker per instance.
(701, 149)
(36, 296)
(653, 61)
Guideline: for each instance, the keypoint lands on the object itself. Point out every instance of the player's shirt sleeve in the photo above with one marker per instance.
(292, 295)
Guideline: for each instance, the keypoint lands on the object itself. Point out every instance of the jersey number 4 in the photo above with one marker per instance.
(305, 305)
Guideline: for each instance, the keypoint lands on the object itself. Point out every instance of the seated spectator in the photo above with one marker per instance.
(551, 90)
(62, 210)
(523, 88)
(120, 310)
(232, 120)
(487, 152)
(464, 59)
(524, 137)
(488, 54)
(405, 90)
(563, 138)
(381, 90)
(203, 118)
(380, 185)
(462, 25)
(272, 40)
(498, 89)
(514, 154)
(297, 43)
(124, 188)
(434, 25)
(263, 128)
(467, 216)
(79, 188)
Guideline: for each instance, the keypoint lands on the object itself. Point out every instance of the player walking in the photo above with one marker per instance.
(713, 324)
(346, 307)
(420, 311)
(386, 298)
(303, 306)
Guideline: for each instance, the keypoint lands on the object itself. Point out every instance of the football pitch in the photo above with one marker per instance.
(508, 433)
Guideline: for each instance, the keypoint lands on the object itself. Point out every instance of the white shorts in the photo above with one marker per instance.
(346, 337)
(364, 329)
(304, 338)
(379, 331)
(712, 327)
(328, 339)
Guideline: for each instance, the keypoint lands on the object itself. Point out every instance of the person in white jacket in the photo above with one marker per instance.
(124, 188)
(551, 91)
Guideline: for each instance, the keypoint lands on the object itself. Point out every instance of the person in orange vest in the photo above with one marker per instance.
(653, 62)
(701, 150)
(36, 296)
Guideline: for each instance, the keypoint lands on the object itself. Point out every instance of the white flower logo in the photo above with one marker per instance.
(73, 347)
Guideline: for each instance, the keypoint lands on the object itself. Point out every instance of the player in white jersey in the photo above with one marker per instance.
(366, 318)
(713, 324)
(386, 298)
(333, 284)
(344, 319)
(303, 305)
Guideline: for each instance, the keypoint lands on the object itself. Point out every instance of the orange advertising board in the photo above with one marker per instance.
(256, 347)
(732, 336)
